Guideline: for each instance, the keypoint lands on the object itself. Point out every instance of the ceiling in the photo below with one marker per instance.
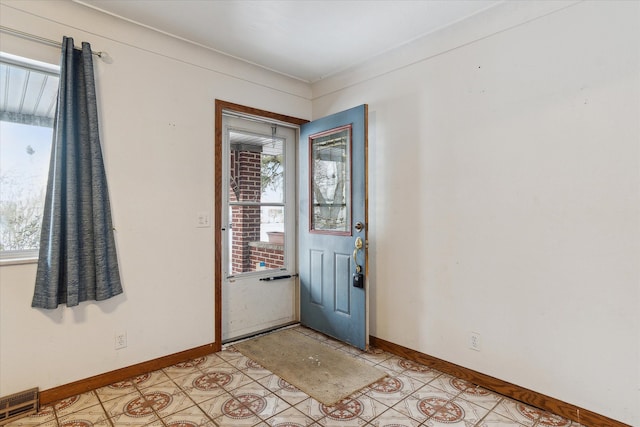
(304, 39)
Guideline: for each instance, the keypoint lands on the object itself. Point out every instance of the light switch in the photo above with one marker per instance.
(203, 220)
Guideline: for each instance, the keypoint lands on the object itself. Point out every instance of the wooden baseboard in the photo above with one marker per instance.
(567, 410)
(82, 386)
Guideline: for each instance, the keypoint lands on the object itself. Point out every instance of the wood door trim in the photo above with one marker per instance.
(539, 400)
(221, 106)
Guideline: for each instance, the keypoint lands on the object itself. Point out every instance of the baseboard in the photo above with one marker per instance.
(541, 401)
(82, 386)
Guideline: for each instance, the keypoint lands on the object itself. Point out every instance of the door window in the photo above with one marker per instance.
(256, 195)
(330, 182)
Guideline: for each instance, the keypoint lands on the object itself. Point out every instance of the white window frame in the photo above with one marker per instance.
(24, 256)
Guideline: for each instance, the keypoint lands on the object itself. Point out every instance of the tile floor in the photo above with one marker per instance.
(227, 389)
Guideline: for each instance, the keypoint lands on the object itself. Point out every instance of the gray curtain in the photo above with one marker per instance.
(77, 248)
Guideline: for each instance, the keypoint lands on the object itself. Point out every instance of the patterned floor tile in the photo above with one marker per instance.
(273, 382)
(241, 362)
(283, 389)
(480, 396)
(177, 403)
(529, 416)
(376, 355)
(210, 361)
(88, 417)
(252, 388)
(229, 354)
(311, 408)
(290, 418)
(451, 385)
(127, 420)
(290, 394)
(76, 403)
(45, 415)
(417, 371)
(203, 386)
(115, 390)
(366, 408)
(517, 411)
(235, 412)
(213, 407)
(185, 368)
(190, 417)
(424, 403)
(547, 419)
(225, 376)
(393, 364)
(150, 379)
(493, 419)
(266, 406)
(390, 390)
(471, 414)
(391, 417)
(346, 422)
(119, 405)
(260, 400)
(254, 369)
(346, 409)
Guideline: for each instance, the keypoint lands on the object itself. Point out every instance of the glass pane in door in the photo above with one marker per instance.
(330, 192)
(256, 202)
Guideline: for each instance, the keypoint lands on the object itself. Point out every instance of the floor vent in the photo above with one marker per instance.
(18, 405)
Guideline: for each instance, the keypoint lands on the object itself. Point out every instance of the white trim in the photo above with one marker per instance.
(29, 256)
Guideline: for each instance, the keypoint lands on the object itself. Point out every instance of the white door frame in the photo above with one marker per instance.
(221, 106)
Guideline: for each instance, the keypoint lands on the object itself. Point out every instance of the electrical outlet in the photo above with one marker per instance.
(120, 340)
(474, 341)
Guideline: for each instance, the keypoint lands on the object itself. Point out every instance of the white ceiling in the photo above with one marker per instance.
(307, 40)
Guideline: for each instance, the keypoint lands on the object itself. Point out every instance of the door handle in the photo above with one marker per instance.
(358, 276)
(358, 245)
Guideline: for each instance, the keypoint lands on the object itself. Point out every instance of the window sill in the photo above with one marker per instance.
(18, 257)
(18, 261)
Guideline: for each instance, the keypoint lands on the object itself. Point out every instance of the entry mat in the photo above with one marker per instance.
(324, 373)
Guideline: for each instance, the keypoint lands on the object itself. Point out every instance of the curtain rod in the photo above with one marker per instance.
(39, 39)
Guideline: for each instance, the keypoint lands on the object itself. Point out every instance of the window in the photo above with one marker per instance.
(28, 94)
(256, 201)
(331, 181)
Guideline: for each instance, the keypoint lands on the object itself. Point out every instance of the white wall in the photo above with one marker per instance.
(157, 116)
(504, 199)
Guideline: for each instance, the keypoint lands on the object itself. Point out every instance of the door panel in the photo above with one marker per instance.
(343, 283)
(332, 188)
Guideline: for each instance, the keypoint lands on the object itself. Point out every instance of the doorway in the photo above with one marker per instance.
(255, 232)
(324, 224)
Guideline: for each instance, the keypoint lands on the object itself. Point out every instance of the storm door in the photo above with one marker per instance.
(258, 266)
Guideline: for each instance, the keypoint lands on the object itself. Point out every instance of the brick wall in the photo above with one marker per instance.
(271, 254)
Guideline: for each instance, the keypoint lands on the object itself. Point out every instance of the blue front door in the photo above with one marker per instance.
(332, 223)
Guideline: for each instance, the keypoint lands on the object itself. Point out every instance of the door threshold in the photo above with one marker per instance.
(231, 341)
